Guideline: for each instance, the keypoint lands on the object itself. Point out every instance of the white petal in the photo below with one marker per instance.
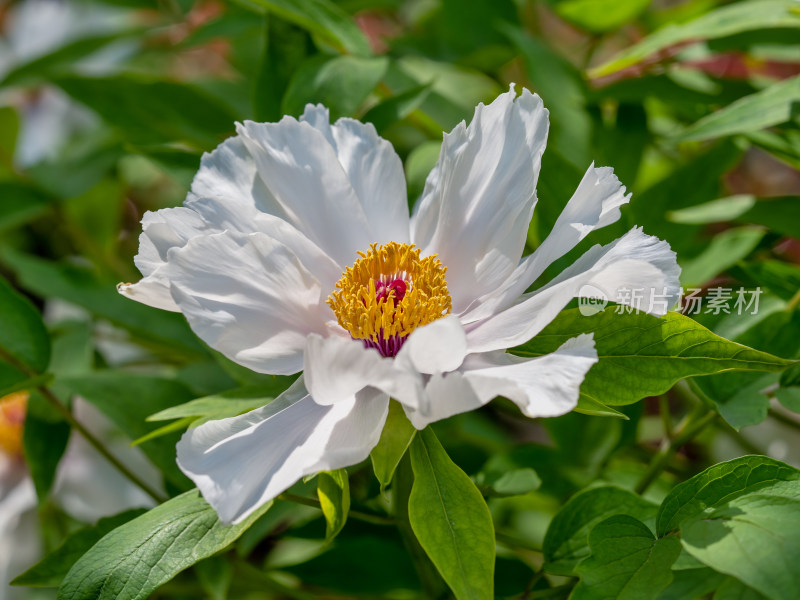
(306, 180)
(336, 368)
(478, 200)
(545, 386)
(249, 297)
(161, 230)
(437, 347)
(374, 169)
(594, 204)
(242, 462)
(635, 261)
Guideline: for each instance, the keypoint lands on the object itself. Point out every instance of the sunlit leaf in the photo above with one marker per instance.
(641, 355)
(135, 559)
(451, 520)
(627, 562)
(724, 21)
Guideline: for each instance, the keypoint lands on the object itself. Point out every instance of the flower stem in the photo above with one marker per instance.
(355, 514)
(692, 425)
(67, 415)
(432, 584)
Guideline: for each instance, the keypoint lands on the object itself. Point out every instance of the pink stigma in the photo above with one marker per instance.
(398, 286)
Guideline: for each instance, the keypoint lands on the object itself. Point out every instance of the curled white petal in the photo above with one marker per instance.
(242, 462)
(544, 386)
(595, 204)
(633, 262)
(478, 200)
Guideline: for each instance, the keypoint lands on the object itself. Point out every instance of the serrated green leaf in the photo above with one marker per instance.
(451, 520)
(755, 537)
(321, 17)
(51, 570)
(135, 559)
(341, 83)
(23, 337)
(724, 21)
(717, 485)
(395, 439)
(567, 540)
(772, 106)
(641, 355)
(333, 489)
(627, 562)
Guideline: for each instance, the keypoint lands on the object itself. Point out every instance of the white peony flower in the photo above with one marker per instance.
(294, 250)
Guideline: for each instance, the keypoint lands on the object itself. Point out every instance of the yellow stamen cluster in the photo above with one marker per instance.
(12, 419)
(367, 317)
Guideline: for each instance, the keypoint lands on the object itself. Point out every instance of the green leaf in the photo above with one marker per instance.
(51, 570)
(740, 397)
(128, 400)
(333, 489)
(341, 83)
(149, 111)
(716, 211)
(322, 18)
(21, 204)
(226, 404)
(590, 406)
(23, 337)
(719, 484)
(724, 21)
(691, 583)
(627, 562)
(780, 214)
(599, 16)
(723, 251)
(754, 537)
(451, 520)
(502, 484)
(790, 398)
(83, 288)
(215, 575)
(44, 439)
(641, 355)
(135, 559)
(395, 439)
(396, 108)
(563, 91)
(733, 589)
(567, 540)
(772, 106)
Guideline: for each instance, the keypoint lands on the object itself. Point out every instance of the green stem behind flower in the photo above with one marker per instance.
(693, 424)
